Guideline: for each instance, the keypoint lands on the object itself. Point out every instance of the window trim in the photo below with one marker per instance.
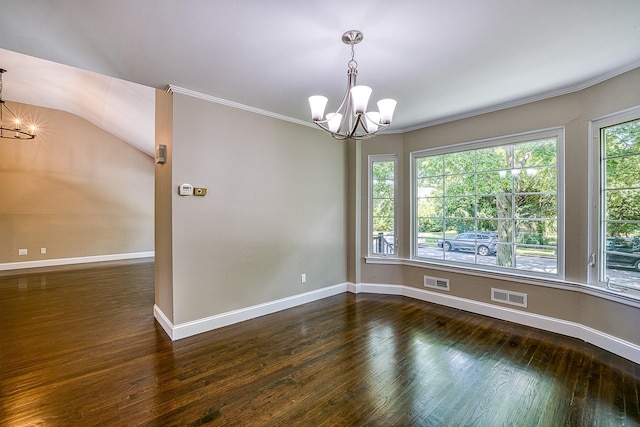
(596, 234)
(557, 132)
(378, 158)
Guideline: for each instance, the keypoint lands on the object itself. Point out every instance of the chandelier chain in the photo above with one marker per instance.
(352, 64)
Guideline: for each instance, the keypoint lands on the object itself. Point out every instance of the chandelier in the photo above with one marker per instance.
(13, 130)
(352, 120)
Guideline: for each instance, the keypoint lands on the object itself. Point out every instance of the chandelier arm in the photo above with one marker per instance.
(15, 134)
(365, 132)
(339, 137)
(322, 124)
(352, 135)
(354, 128)
(366, 113)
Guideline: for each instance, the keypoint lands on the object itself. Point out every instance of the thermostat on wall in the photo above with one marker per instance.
(185, 190)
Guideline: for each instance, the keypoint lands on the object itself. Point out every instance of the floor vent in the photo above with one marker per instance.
(509, 297)
(436, 282)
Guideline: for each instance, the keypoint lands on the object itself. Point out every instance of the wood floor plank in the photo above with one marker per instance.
(80, 347)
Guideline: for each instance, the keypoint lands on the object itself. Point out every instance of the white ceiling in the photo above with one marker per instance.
(440, 59)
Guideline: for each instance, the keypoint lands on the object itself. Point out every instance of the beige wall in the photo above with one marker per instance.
(275, 208)
(573, 112)
(163, 214)
(75, 190)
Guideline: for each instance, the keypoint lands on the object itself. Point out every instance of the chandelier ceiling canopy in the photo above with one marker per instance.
(12, 128)
(352, 120)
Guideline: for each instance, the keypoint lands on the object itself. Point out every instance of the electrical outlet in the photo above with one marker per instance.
(43, 251)
(303, 277)
(22, 252)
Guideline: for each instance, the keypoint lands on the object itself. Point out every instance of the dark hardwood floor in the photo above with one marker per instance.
(80, 347)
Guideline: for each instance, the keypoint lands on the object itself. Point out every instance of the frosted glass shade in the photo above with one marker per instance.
(317, 104)
(386, 107)
(373, 120)
(360, 96)
(334, 120)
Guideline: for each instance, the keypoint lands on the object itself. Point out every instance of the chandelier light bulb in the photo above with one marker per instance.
(386, 106)
(334, 120)
(317, 104)
(360, 96)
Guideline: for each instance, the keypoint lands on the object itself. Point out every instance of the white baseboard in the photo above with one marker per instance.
(163, 320)
(195, 327)
(75, 260)
(600, 339)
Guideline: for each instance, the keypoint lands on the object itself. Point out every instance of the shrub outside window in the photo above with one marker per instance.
(494, 206)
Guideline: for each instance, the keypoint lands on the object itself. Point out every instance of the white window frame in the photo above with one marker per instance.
(379, 158)
(596, 232)
(555, 132)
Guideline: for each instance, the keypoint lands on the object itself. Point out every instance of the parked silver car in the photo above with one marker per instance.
(481, 242)
(623, 253)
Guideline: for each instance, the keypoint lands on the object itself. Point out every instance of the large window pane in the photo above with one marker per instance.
(461, 162)
(543, 179)
(459, 207)
(622, 172)
(430, 186)
(622, 205)
(536, 206)
(459, 185)
(486, 207)
(430, 207)
(622, 139)
(430, 166)
(495, 206)
(493, 183)
(492, 159)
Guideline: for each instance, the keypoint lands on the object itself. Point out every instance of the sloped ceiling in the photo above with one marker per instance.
(440, 60)
(125, 109)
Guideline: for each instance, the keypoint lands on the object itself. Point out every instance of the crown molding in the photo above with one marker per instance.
(177, 89)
